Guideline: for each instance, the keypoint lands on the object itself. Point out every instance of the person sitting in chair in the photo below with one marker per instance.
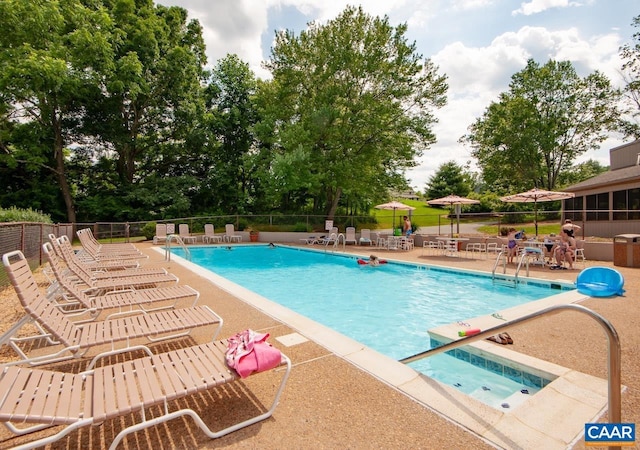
(565, 251)
(549, 246)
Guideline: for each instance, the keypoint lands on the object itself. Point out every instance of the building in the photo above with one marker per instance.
(406, 195)
(609, 204)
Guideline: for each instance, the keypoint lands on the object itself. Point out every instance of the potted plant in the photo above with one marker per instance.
(254, 235)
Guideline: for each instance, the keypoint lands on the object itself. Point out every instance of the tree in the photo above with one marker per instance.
(534, 133)
(152, 85)
(448, 179)
(351, 107)
(631, 70)
(231, 115)
(140, 122)
(50, 57)
(581, 172)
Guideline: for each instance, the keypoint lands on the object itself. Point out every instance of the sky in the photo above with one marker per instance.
(477, 44)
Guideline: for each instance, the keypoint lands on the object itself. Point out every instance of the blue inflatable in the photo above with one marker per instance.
(600, 282)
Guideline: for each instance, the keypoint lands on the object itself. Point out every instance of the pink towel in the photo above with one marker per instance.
(249, 352)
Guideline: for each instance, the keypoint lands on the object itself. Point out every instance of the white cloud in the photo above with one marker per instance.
(538, 6)
(477, 75)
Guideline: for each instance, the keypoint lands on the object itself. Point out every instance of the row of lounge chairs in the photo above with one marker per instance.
(66, 323)
(349, 237)
(164, 230)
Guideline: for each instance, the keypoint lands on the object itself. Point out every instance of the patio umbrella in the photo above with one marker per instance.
(453, 200)
(536, 195)
(395, 205)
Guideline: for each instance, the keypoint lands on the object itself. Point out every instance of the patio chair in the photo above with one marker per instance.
(56, 329)
(494, 248)
(108, 280)
(579, 252)
(230, 234)
(91, 263)
(97, 251)
(476, 247)
(161, 233)
(74, 300)
(183, 232)
(108, 268)
(350, 236)
(210, 234)
(88, 237)
(124, 391)
(433, 247)
(365, 237)
(407, 243)
(330, 239)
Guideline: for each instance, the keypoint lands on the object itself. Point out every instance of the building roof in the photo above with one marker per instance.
(608, 178)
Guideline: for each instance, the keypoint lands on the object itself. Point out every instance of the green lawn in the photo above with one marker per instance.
(428, 215)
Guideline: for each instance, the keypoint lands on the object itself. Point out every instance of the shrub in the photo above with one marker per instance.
(14, 214)
(149, 230)
(301, 227)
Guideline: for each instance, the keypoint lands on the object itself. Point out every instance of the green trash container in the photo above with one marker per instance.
(626, 250)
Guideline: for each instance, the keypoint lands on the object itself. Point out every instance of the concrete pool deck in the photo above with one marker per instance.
(331, 402)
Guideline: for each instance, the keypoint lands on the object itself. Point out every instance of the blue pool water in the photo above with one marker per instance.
(388, 308)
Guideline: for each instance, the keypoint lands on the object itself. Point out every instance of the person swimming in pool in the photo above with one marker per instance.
(373, 260)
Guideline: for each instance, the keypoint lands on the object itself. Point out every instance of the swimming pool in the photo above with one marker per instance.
(389, 308)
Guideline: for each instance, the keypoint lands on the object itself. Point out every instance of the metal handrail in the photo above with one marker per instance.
(614, 352)
(167, 248)
(495, 265)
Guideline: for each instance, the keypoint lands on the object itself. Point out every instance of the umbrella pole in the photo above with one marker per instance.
(393, 223)
(451, 216)
(535, 207)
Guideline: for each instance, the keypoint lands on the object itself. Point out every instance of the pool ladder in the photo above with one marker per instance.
(524, 260)
(336, 241)
(613, 360)
(180, 242)
(511, 282)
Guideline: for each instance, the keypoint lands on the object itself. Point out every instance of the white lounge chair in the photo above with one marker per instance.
(161, 233)
(365, 237)
(230, 234)
(183, 232)
(44, 398)
(71, 298)
(330, 239)
(72, 340)
(350, 236)
(210, 234)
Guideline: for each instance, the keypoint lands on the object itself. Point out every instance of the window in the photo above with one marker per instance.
(620, 205)
(634, 204)
(598, 207)
(626, 204)
(573, 209)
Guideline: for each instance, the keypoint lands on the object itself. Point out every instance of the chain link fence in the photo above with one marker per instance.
(28, 237)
